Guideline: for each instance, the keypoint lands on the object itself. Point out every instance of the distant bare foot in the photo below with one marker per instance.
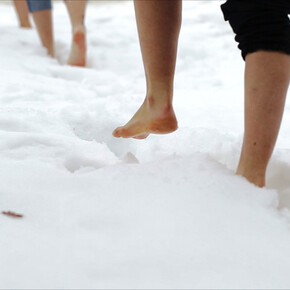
(148, 120)
(78, 51)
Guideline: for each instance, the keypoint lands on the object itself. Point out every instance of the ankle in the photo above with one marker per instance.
(254, 176)
(159, 95)
(256, 180)
(162, 101)
(78, 28)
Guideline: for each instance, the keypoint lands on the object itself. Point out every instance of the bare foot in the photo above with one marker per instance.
(148, 120)
(78, 51)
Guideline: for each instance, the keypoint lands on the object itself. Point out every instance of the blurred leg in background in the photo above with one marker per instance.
(42, 16)
(78, 53)
(22, 13)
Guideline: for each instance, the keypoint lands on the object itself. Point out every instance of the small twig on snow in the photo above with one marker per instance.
(12, 214)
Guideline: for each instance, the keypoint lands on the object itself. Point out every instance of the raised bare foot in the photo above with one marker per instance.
(78, 51)
(149, 119)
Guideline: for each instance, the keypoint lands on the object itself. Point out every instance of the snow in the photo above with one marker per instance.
(99, 212)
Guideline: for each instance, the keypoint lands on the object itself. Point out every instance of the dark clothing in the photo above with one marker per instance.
(259, 24)
(38, 5)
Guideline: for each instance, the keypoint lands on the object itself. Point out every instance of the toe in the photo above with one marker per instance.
(117, 133)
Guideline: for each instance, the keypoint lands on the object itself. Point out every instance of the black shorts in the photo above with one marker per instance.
(259, 24)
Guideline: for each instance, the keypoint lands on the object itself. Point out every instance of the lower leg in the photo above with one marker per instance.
(267, 76)
(43, 22)
(158, 26)
(22, 13)
(76, 10)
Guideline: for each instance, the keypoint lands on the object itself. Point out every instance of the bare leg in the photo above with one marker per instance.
(267, 77)
(158, 26)
(43, 22)
(76, 10)
(22, 13)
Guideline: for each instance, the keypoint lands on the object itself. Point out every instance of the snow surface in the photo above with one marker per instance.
(99, 212)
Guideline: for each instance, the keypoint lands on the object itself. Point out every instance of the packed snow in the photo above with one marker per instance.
(166, 212)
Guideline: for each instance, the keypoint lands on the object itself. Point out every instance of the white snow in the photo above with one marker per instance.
(99, 212)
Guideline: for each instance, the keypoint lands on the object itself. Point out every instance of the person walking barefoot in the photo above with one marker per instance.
(42, 15)
(263, 31)
(22, 13)
(158, 24)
